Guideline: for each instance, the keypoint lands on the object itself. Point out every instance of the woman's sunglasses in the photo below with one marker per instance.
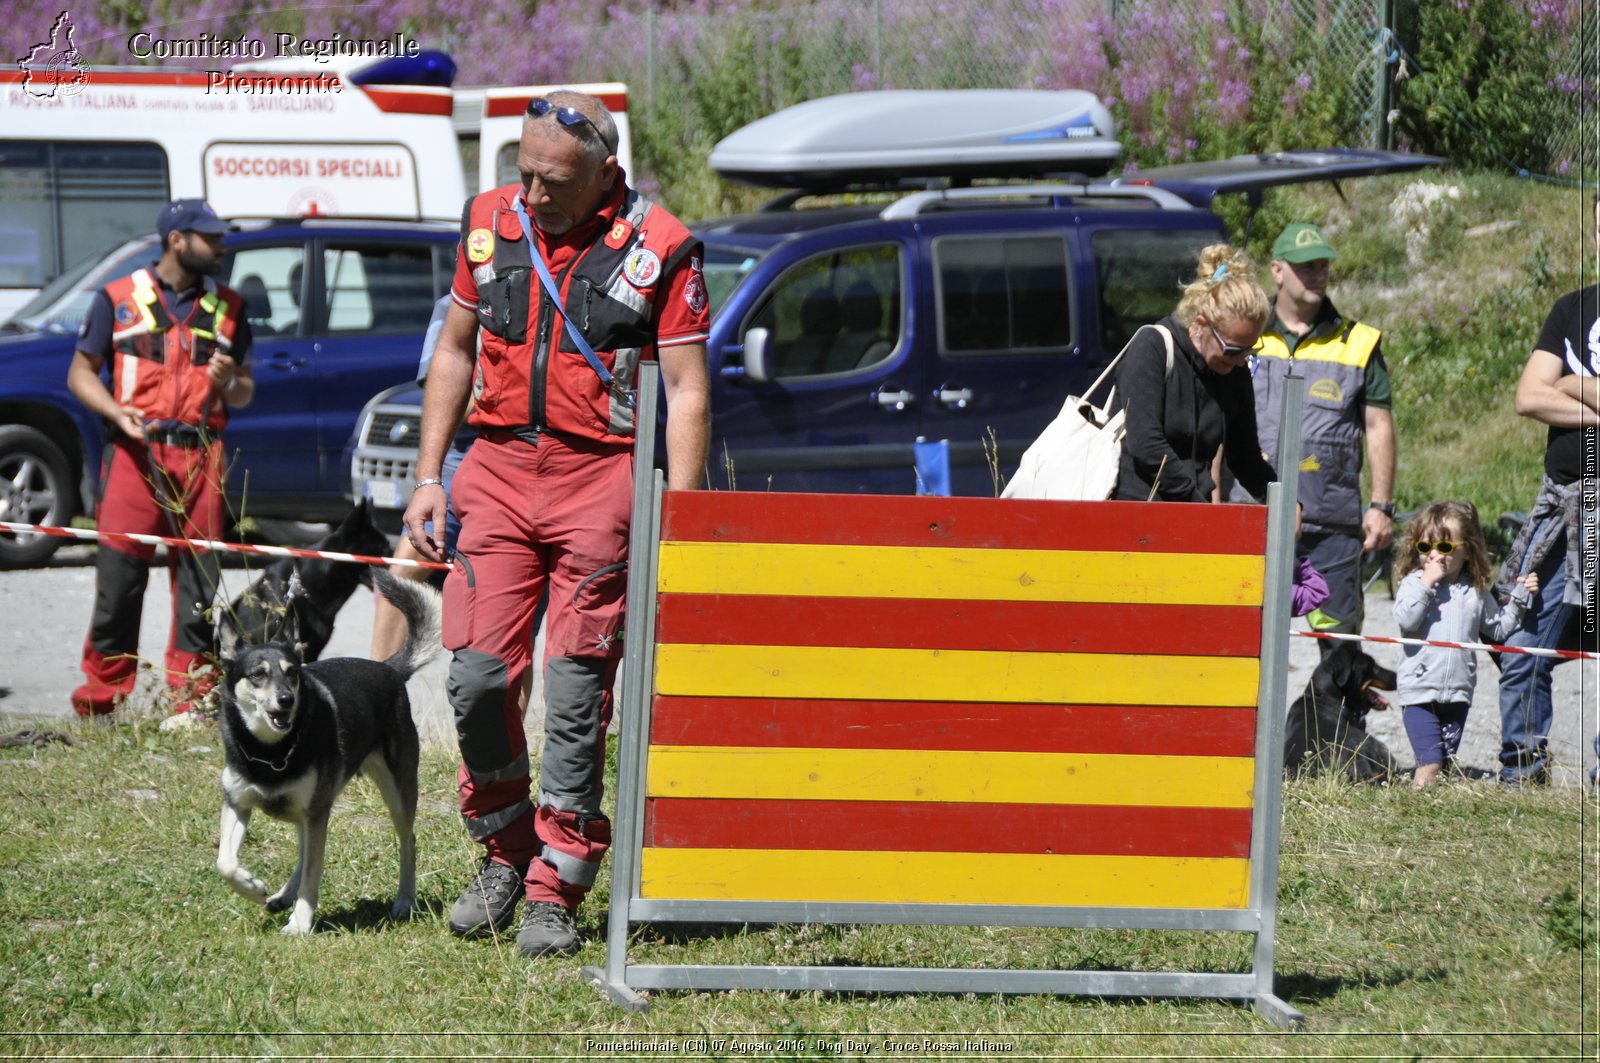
(1444, 546)
(1233, 350)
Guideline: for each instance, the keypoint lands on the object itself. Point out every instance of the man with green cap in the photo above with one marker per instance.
(1347, 409)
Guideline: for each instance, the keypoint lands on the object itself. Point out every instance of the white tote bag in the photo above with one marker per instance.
(1076, 457)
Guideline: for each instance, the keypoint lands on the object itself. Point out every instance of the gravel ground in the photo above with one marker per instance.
(44, 614)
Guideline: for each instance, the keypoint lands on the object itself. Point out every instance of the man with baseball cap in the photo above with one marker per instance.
(178, 347)
(1347, 407)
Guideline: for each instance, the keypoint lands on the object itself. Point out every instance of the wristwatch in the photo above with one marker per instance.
(1386, 508)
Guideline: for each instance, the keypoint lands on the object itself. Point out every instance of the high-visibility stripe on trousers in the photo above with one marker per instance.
(537, 517)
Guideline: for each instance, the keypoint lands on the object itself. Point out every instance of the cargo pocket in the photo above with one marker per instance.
(503, 304)
(597, 607)
(460, 592)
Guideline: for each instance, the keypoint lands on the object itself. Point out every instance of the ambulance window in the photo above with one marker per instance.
(270, 280)
(505, 164)
(379, 287)
(62, 201)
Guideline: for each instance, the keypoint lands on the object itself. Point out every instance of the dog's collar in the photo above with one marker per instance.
(279, 765)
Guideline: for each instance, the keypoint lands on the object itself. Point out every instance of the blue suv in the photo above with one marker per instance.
(842, 335)
(338, 308)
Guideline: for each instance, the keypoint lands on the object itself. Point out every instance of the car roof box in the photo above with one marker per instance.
(882, 138)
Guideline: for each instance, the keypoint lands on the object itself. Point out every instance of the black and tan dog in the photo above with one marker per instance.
(294, 735)
(321, 586)
(1326, 730)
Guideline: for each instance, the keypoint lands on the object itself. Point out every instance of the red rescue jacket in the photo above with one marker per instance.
(158, 362)
(529, 373)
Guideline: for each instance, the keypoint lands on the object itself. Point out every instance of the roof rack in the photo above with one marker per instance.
(917, 203)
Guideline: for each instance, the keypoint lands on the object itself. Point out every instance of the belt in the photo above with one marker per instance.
(185, 436)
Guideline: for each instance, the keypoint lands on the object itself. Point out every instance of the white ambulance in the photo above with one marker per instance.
(88, 161)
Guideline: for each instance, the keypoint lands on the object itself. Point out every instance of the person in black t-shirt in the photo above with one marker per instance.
(1560, 387)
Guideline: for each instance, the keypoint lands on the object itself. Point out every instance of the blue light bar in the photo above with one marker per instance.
(428, 68)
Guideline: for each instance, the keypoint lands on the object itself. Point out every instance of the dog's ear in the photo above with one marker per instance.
(227, 639)
(1340, 664)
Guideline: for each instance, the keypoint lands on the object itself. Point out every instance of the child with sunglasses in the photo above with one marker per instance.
(1444, 576)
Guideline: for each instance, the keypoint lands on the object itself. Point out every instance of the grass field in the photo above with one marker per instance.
(1452, 923)
(1442, 924)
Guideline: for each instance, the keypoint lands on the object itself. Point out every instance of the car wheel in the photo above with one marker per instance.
(36, 487)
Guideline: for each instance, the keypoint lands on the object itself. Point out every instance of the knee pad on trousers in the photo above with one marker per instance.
(574, 731)
(478, 690)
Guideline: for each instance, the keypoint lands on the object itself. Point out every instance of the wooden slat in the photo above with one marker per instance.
(1054, 627)
(953, 675)
(943, 878)
(841, 724)
(962, 523)
(977, 575)
(790, 774)
(889, 826)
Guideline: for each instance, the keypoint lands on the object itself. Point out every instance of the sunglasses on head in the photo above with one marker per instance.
(1445, 547)
(570, 117)
(1233, 350)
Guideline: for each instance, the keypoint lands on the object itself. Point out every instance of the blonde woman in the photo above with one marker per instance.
(1177, 417)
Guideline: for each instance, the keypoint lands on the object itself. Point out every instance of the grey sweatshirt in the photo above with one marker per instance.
(1448, 612)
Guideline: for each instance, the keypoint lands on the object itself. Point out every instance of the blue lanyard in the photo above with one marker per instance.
(548, 283)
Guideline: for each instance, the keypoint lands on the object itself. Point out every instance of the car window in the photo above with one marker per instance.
(62, 304)
(833, 313)
(270, 279)
(379, 287)
(1137, 274)
(1000, 295)
(725, 267)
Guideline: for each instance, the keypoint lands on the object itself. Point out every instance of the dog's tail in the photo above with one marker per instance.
(419, 604)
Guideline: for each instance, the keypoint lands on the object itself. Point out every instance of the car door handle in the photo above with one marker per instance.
(955, 398)
(896, 400)
(285, 360)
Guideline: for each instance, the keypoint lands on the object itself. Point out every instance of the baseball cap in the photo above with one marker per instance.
(189, 215)
(1302, 243)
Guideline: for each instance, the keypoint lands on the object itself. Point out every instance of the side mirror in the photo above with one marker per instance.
(757, 363)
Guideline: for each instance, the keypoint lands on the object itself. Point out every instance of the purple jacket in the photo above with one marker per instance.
(1310, 589)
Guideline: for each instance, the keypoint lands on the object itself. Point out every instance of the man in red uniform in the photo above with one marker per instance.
(544, 496)
(179, 349)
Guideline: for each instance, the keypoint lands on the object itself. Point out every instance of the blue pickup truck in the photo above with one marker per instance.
(338, 308)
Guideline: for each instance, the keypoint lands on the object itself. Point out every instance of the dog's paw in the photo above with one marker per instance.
(279, 902)
(295, 929)
(248, 886)
(403, 907)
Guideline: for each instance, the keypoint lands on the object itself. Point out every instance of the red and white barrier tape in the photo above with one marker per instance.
(212, 544)
(401, 562)
(1529, 651)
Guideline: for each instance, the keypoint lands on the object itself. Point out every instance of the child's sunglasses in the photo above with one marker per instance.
(1444, 546)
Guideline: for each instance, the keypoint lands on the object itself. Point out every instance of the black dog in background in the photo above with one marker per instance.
(322, 586)
(1326, 732)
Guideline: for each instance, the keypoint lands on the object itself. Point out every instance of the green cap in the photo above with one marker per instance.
(1302, 243)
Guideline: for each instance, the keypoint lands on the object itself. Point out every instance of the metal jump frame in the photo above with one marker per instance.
(621, 980)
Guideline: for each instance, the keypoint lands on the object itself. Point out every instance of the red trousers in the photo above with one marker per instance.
(159, 489)
(536, 518)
